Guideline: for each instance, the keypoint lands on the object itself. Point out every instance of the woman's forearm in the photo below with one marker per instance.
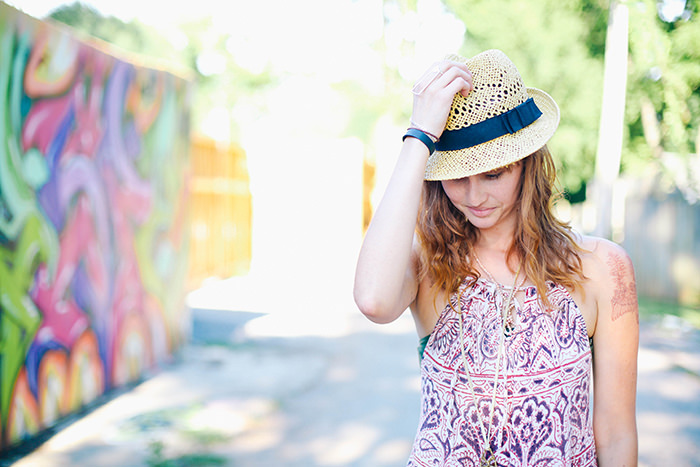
(381, 289)
(622, 452)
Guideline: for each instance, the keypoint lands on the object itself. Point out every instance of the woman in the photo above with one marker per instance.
(504, 296)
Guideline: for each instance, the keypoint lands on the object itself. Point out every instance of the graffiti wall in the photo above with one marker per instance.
(93, 247)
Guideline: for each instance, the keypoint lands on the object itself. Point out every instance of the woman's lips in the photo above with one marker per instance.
(480, 212)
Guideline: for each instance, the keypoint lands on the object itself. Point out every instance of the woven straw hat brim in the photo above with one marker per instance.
(502, 151)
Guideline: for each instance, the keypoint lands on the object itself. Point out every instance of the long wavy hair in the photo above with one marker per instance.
(545, 245)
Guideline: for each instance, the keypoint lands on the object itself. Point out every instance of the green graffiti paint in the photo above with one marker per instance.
(32, 238)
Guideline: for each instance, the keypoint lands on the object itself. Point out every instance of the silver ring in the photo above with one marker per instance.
(426, 80)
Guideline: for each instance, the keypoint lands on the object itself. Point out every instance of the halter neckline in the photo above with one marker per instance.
(522, 288)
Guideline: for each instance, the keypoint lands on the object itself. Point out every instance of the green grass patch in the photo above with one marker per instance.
(650, 310)
(205, 437)
(158, 459)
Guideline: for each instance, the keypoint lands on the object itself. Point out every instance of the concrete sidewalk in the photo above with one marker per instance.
(251, 390)
(263, 398)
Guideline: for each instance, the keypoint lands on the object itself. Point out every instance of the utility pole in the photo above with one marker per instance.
(612, 116)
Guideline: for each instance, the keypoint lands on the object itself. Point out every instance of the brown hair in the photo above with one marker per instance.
(545, 244)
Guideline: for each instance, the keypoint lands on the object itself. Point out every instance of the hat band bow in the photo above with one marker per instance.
(508, 122)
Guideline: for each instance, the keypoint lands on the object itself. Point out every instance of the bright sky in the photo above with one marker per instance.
(298, 35)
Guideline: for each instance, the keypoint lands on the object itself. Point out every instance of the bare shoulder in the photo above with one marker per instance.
(611, 277)
(600, 253)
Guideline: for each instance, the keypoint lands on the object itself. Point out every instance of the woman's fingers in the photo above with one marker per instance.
(434, 92)
(426, 80)
(441, 74)
(461, 85)
(456, 78)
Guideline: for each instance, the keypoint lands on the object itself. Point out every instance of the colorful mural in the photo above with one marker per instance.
(93, 245)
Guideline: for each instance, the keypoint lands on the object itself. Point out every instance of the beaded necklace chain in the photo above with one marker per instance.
(488, 457)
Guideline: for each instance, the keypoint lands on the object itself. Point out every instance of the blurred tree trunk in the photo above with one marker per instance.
(612, 118)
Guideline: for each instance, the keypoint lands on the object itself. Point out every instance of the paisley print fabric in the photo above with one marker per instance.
(542, 415)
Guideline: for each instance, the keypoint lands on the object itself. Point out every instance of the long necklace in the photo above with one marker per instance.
(488, 457)
(509, 312)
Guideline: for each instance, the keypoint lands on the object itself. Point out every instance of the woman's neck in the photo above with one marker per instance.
(492, 247)
(496, 239)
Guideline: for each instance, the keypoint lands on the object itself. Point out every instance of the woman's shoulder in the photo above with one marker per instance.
(599, 251)
(605, 262)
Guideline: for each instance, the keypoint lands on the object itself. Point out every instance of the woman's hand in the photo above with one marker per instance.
(434, 92)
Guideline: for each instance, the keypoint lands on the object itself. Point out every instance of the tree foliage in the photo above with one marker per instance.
(663, 98)
(133, 37)
(559, 46)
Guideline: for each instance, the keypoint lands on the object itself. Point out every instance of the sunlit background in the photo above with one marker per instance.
(282, 79)
(316, 91)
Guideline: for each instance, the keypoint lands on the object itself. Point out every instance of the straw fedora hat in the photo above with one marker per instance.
(498, 123)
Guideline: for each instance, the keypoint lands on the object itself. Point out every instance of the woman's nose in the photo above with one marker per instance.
(473, 192)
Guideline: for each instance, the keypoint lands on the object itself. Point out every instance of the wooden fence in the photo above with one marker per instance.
(662, 235)
(220, 211)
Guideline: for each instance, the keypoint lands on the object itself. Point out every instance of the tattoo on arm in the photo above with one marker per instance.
(624, 299)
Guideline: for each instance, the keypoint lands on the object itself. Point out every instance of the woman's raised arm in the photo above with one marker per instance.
(385, 277)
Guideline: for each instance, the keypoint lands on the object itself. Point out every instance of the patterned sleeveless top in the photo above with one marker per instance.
(542, 415)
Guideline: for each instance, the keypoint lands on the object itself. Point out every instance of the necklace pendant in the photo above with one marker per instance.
(508, 330)
(510, 321)
(489, 461)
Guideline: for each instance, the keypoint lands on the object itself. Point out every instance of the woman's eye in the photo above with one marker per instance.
(493, 175)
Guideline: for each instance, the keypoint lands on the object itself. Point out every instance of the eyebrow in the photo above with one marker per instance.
(504, 168)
